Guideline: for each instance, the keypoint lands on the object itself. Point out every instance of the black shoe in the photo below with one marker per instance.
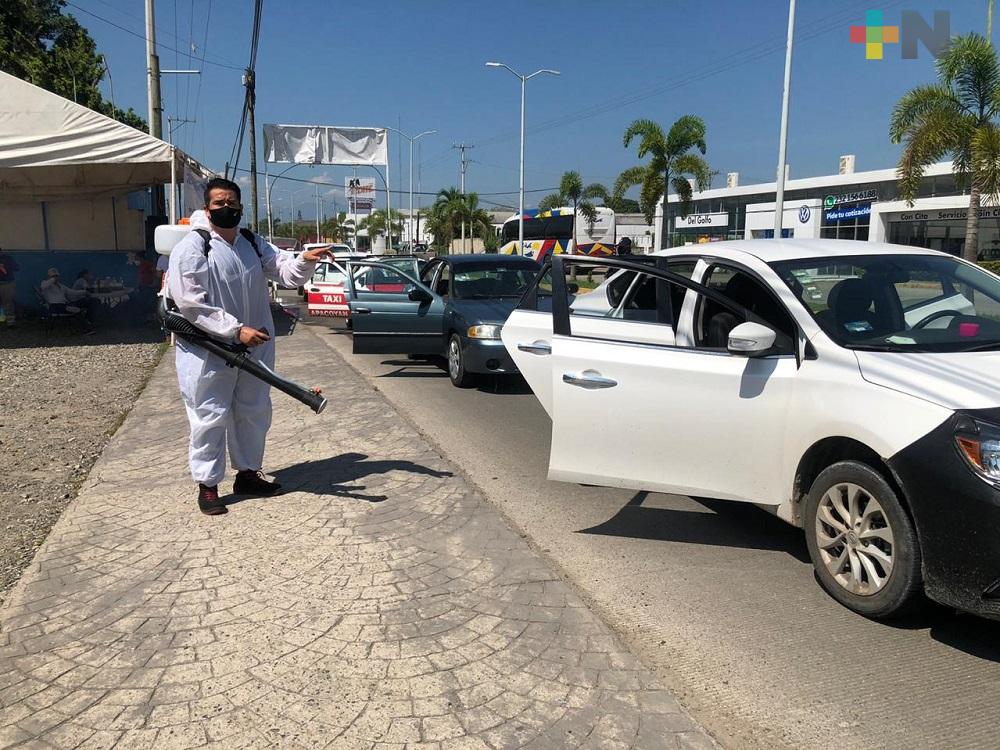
(253, 483)
(209, 502)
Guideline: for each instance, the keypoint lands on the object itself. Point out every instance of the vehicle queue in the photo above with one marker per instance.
(699, 351)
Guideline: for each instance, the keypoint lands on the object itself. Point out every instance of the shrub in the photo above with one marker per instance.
(993, 266)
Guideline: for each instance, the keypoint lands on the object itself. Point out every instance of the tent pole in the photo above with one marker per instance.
(173, 186)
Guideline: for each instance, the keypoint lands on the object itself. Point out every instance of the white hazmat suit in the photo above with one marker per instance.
(219, 294)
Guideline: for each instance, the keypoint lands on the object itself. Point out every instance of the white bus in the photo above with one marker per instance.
(552, 232)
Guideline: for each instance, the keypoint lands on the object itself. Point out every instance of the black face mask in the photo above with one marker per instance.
(225, 217)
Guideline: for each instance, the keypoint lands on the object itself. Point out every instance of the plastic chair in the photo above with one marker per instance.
(51, 318)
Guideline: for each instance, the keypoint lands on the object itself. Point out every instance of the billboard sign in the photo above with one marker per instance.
(360, 192)
(325, 144)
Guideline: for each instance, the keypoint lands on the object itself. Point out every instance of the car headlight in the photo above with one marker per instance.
(979, 444)
(484, 332)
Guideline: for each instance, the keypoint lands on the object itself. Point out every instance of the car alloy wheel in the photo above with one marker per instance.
(862, 541)
(456, 364)
(855, 540)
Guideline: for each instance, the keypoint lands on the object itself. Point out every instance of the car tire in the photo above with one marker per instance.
(862, 542)
(456, 364)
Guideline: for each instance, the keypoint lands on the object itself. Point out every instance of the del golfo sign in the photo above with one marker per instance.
(700, 221)
(947, 214)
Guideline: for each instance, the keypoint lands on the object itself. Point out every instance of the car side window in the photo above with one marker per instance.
(380, 280)
(427, 273)
(714, 321)
(617, 286)
(643, 316)
(329, 273)
(640, 300)
(442, 282)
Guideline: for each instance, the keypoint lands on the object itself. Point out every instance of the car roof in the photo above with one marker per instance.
(773, 251)
(487, 258)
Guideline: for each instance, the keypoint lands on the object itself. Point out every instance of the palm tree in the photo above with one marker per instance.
(441, 217)
(375, 223)
(451, 209)
(955, 117)
(670, 165)
(571, 190)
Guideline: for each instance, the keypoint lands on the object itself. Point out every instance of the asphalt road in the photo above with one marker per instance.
(718, 597)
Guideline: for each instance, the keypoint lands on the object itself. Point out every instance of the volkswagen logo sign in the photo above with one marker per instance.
(804, 214)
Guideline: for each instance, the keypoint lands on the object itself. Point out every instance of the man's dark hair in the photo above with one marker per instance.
(221, 182)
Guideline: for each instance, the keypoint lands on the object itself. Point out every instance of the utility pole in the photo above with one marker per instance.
(462, 147)
(250, 82)
(989, 21)
(153, 90)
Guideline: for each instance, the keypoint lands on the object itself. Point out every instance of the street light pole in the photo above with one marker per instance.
(267, 193)
(520, 198)
(411, 139)
(779, 196)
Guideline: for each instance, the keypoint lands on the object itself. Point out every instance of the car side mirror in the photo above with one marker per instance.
(572, 288)
(751, 340)
(419, 295)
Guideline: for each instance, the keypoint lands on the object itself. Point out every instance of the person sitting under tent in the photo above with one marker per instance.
(62, 299)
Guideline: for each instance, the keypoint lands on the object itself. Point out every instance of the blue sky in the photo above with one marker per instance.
(420, 66)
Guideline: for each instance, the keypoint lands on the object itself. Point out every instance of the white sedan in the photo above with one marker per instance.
(848, 387)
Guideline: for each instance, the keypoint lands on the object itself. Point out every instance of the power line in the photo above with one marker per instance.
(334, 186)
(159, 32)
(137, 35)
(735, 59)
(249, 75)
(197, 95)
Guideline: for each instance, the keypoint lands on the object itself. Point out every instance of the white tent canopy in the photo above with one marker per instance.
(52, 148)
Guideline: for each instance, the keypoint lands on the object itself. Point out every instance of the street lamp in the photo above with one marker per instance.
(411, 139)
(267, 191)
(520, 200)
(291, 200)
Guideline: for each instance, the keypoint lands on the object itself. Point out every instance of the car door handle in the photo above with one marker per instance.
(362, 310)
(536, 348)
(588, 379)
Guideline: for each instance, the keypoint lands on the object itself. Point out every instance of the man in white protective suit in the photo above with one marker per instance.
(220, 286)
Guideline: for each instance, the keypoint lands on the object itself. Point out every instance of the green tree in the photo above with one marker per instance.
(957, 118)
(671, 163)
(375, 223)
(44, 47)
(608, 199)
(450, 210)
(572, 192)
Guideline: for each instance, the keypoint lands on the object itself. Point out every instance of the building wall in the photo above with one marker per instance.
(803, 217)
(750, 208)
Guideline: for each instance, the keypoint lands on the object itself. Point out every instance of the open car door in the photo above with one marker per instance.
(392, 312)
(633, 407)
(325, 293)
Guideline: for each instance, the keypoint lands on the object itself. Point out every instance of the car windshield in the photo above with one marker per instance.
(901, 303)
(492, 280)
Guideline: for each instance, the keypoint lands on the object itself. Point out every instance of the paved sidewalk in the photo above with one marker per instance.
(379, 603)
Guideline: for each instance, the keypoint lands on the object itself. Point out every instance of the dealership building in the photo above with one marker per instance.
(850, 205)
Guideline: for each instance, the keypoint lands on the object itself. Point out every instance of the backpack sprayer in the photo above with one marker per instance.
(233, 354)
